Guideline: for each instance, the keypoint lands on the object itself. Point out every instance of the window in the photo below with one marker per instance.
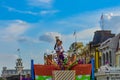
(110, 56)
(11, 72)
(8, 72)
(103, 59)
(107, 60)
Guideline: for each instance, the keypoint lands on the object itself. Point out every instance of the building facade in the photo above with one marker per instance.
(109, 48)
(118, 55)
(118, 58)
(99, 37)
(8, 74)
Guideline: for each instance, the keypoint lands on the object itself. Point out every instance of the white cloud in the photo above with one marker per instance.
(41, 3)
(81, 21)
(20, 11)
(25, 39)
(91, 19)
(49, 37)
(13, 29)
(45, 12)
(86, 34)
(112, 22)
(42, 12)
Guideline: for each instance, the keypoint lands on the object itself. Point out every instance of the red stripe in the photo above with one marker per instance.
(82, 69)
(44, 70)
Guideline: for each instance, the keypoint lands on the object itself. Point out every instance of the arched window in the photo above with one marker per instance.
(107, 57)
(103, 59)
(110, 56)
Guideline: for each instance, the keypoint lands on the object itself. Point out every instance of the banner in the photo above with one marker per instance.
(44, 72)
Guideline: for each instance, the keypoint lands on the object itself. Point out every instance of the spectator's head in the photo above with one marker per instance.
(28, 76)
(91, 56)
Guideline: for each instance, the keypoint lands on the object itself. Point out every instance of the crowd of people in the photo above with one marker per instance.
(27, 77)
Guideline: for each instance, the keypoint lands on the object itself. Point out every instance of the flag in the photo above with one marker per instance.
(102, 22)
(74, 33)
(18, 49)
(102, 17)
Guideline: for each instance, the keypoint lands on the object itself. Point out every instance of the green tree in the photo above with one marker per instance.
(77, 47)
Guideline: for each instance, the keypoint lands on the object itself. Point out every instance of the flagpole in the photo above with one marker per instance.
(19, 53)
(75, 40)
(102, 21)
(75, 36)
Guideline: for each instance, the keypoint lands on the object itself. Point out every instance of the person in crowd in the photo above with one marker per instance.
(59, 50)
(57, 40)
(80, 61)
(28, 77)
(61, 56)
(73, 59)
(69, 61)
(23, 77)
(83, 60)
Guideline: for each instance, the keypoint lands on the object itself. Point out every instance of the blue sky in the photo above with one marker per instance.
(31, 25)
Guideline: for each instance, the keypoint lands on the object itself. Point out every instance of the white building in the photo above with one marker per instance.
(118, 55)
(15, 72)
(108, 49)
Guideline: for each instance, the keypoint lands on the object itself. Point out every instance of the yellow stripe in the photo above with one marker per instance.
(97, 59)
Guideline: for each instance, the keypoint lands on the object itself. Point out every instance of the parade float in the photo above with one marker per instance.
(53, 71)
(67, 69)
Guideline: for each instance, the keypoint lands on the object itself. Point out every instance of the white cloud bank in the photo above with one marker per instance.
(12, 29)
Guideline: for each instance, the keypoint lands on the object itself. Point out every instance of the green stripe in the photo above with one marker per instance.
(43, 77)
(79, 77)
(83, 77)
